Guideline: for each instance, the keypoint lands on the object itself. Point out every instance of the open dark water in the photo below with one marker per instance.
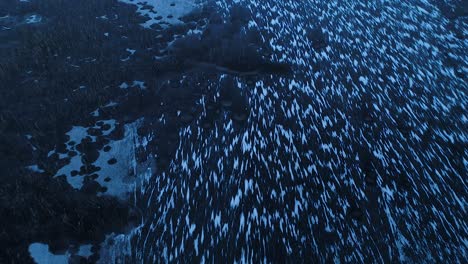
(233, 131)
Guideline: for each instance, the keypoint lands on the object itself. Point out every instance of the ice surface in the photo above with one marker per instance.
(35, 168)
(76, 134)
(121, 174)
(32, 19)
(166, 11)
(41, 255)
(85, 251)
(113, 247)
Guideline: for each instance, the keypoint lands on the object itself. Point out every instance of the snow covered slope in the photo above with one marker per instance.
(359, 156)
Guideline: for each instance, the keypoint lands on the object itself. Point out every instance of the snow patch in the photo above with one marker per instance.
(163, 11)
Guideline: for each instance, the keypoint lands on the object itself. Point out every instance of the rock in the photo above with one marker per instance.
(62, 148)
(240, 14)
(371, 179)
(226, 102)
(118, 132)
(90, 156)
(207, 125)
(215, 18)
(94, 131)
(240, 116)
(318, 39)
(91, 187)
(186, 118)
(15, 146)
(106, 127)
(356, 213)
